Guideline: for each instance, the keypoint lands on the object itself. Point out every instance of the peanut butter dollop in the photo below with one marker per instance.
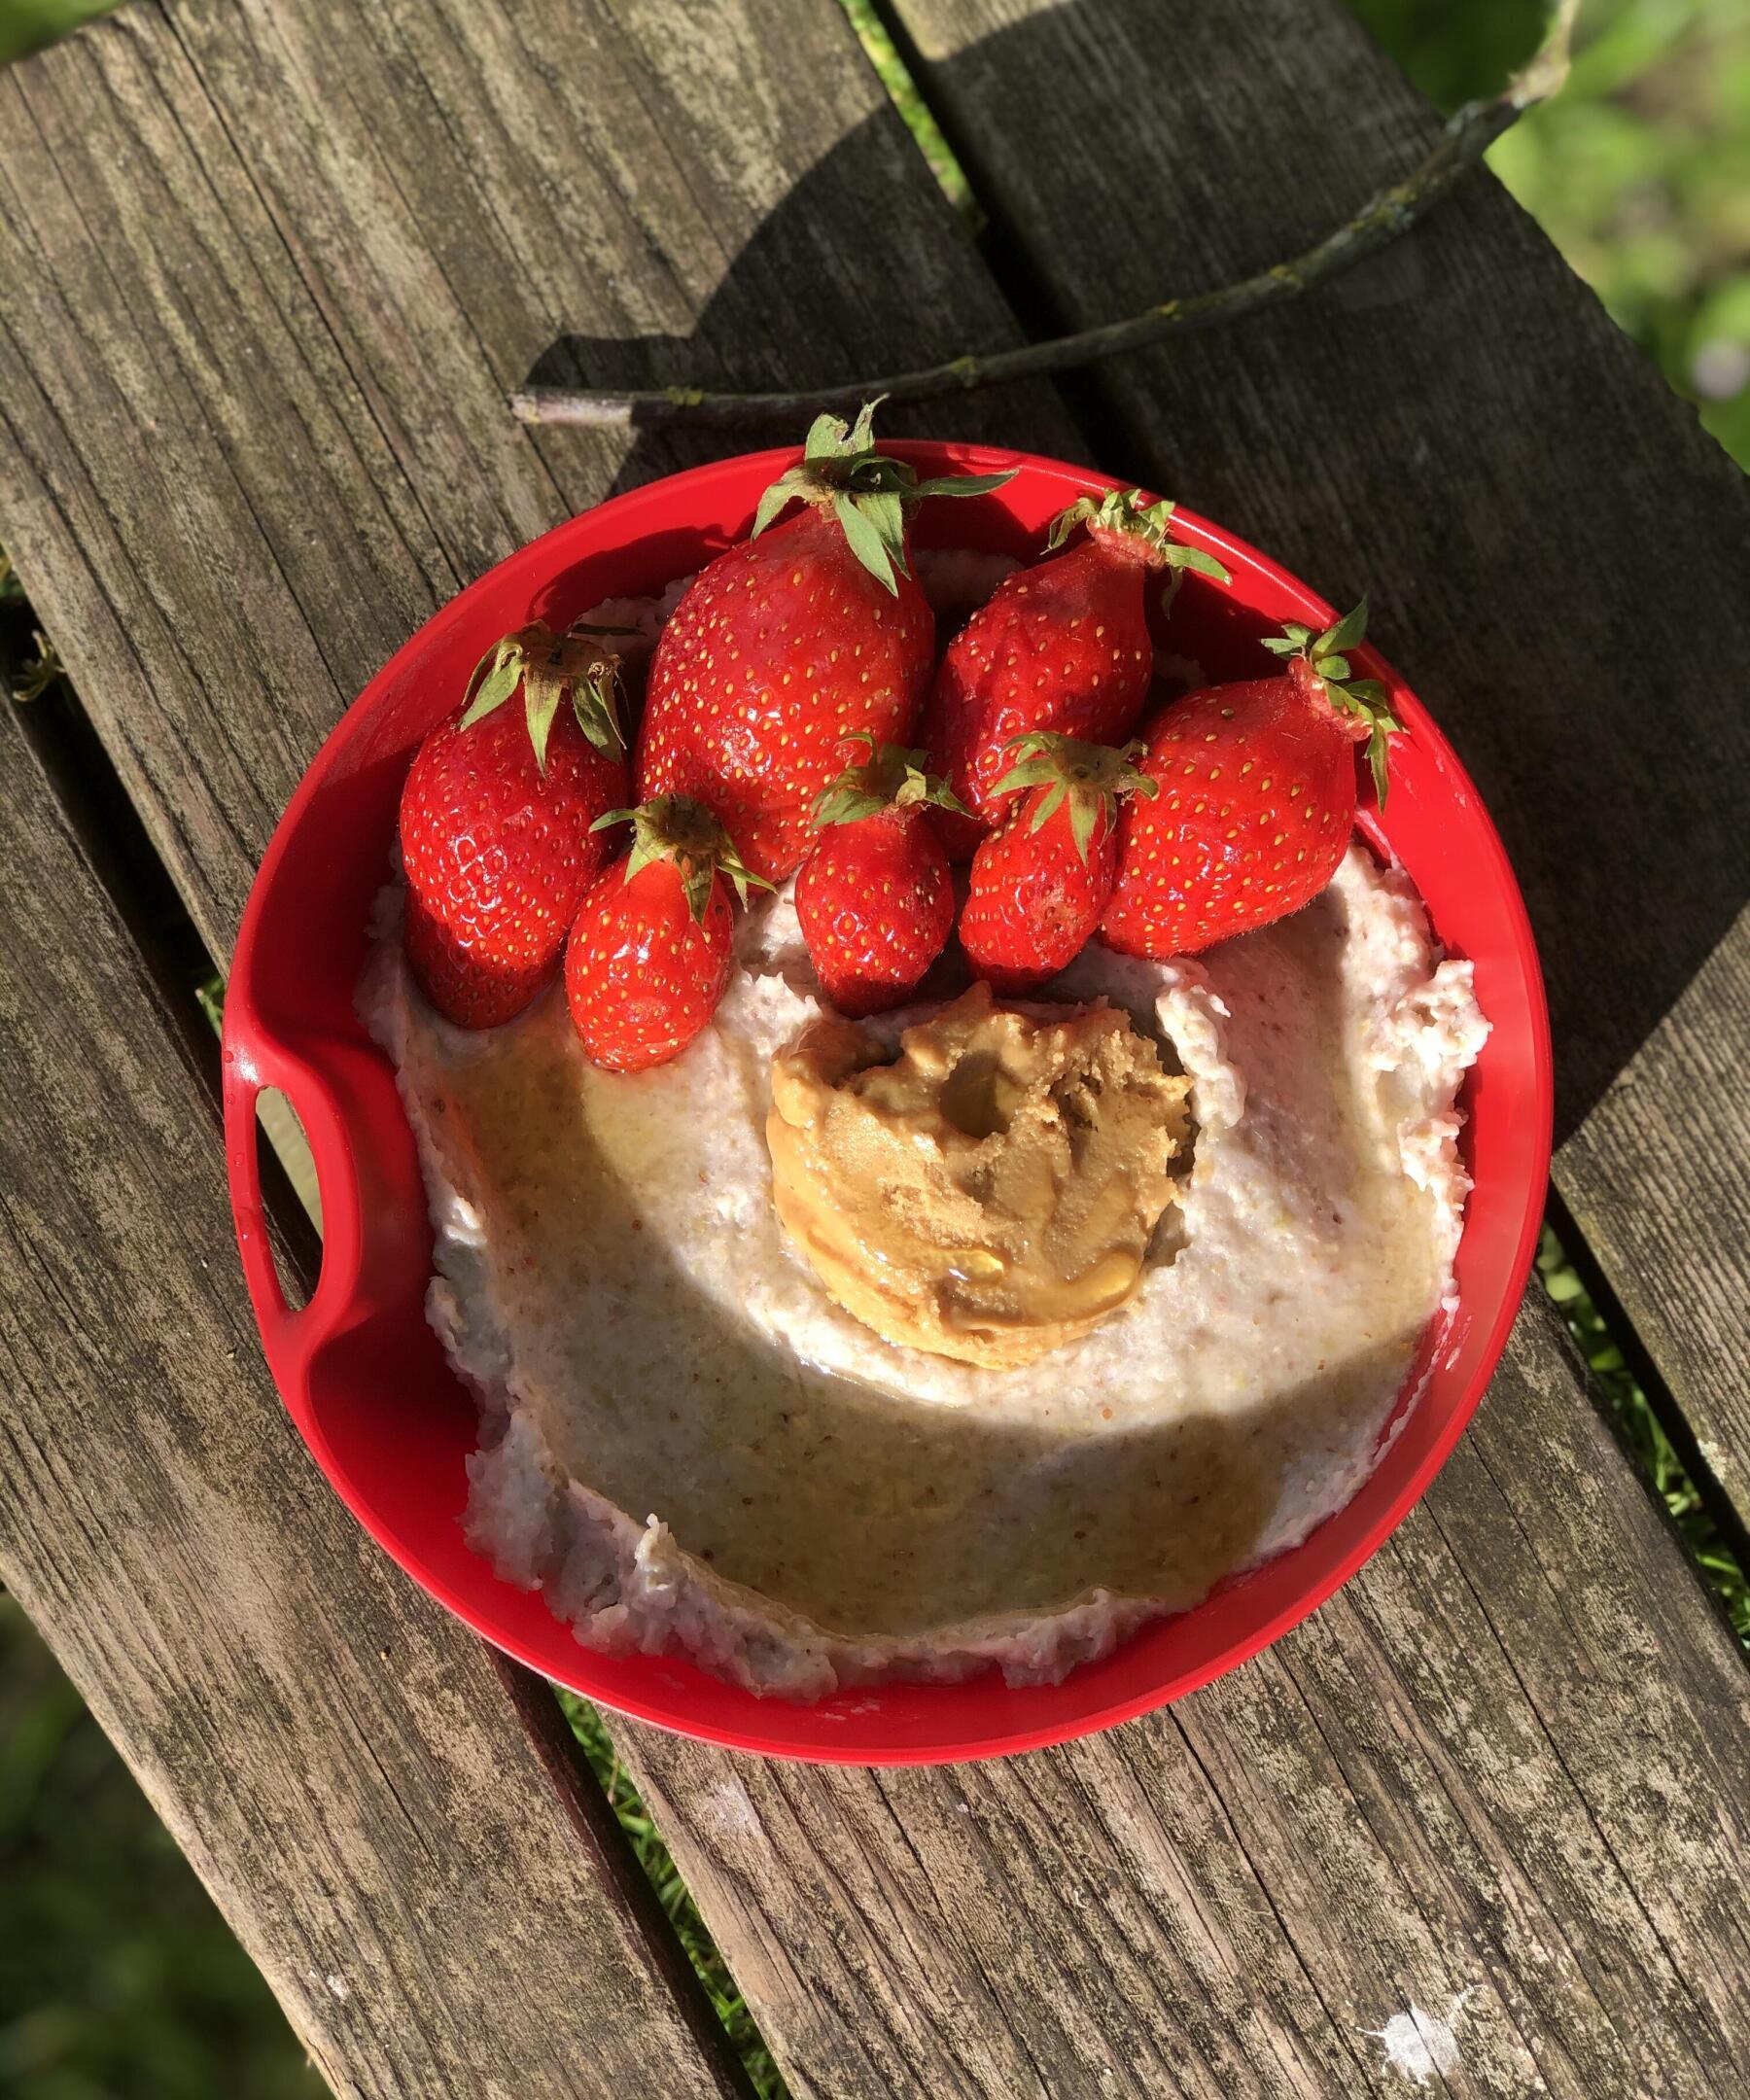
(992, 1193)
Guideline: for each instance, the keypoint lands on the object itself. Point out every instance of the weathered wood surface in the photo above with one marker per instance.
(1508, 1756)
(1557, 553)
(270, 271)
(1504, 1765)
(389, 1817)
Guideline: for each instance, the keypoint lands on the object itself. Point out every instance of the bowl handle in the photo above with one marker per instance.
(252, 1062)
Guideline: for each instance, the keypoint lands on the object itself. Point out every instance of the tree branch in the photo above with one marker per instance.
(1463, 141)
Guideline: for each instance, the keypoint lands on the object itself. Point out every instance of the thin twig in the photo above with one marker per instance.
(1466, 137)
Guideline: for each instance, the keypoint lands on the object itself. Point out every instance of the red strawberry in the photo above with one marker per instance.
(648, 955)
(791, 640)
(495, 822)
(1062, 647)
(875, 897)
(1257, 801)
(1042, 882)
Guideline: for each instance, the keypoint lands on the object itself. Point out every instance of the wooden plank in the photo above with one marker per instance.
(1503, 1766)
(1555, 550)
(303, 253)
(1214, 1901)
(388, 1816)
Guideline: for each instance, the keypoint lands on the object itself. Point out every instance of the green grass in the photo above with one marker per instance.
(1639, 170)
(117, 1976)
(682, 1911)
(1640, 1430)
(26, 25)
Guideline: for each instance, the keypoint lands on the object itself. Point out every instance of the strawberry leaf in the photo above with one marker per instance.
(889, 777)
(1083, 810)
(1049, 804)
(596, 711)
(502, 669)
(794, 482)
(1369, 692)
(1180, 556)
(1334, 669)
(885, 509)
(964, 484)
(541, 695)
(841, 804)
(862, 430)
(1375, 759)
(825, 438)
(864, 541)
(1029, 773)
(1347, 631)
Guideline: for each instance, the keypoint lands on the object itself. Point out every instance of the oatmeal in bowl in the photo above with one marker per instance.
(944, 1121)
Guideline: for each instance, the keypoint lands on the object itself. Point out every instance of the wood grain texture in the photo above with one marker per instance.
(1506, 1757)
(1505, 1764)
(1554, 550)
(387, 1815)
(270, 273)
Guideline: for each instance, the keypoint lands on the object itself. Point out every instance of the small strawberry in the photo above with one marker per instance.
(1063, 647)
(1257, 801)
(1040, 883)
(806, 632)
(875, 897)
(495, 820)
(648, 955)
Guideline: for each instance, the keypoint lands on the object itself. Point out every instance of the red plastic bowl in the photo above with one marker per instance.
(362, 1373)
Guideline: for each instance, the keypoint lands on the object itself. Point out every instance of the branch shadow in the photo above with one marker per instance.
(1552, 548)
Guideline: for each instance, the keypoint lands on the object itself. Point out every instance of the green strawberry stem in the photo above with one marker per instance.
(1089, 777)
(1126, 519)
(1364, 700)
(679, 828)
(551, 669)
(889, 777)
(867, 491)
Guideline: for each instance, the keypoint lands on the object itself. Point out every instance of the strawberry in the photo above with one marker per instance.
(1039, 883)
(1257, 801)
(804, 633)
(875, 897)
(496, 818)
(649, 954)
(1062, 647)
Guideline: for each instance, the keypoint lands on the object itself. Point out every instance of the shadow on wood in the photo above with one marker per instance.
(1552, 546)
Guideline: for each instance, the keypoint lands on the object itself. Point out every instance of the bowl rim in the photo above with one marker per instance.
(254, 1055)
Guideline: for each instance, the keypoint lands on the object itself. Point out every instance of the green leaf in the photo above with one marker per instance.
(1031, 773)
(1049, 805)
(497, 687)
(1334, 668)
(845, 804)
(885, 509)
(825, 438)
(597, 711)
(1369, 690)
(1179, 556)
(608, 817)
(862, 430)
(696, 880)
(965, 484)
(541, 695)
(1375, 759)
(1348, 630)
(1083, 810)
(865, 542)
(794, 482)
